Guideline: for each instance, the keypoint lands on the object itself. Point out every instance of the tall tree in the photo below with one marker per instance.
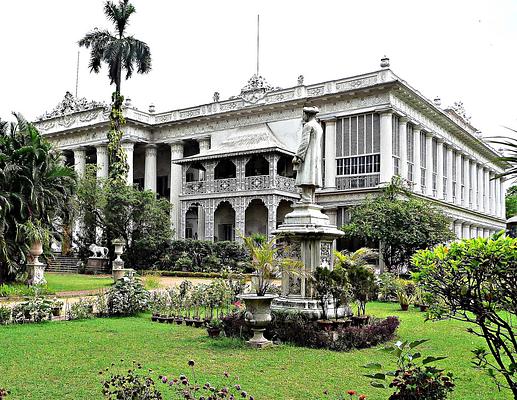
(120, 52)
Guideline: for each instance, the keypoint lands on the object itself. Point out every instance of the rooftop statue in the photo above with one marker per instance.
(308, 158)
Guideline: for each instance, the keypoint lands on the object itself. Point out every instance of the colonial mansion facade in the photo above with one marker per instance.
(226, 165)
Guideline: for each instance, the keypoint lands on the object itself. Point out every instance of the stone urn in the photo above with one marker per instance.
(36, 250)
(35, 268)
(258, 317)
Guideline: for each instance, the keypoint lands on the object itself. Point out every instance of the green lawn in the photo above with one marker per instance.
(61, 360)
(76, 282)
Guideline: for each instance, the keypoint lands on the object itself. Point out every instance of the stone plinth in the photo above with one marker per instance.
(311, 239)
(36, 273)
(97, 265)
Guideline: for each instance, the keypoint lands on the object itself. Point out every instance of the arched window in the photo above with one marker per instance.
(225, 169)
(257, 165)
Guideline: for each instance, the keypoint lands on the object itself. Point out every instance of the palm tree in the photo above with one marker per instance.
(511, 154)
(120, 52)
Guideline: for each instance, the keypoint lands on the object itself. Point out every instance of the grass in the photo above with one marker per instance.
(76, 282)
(61, 360)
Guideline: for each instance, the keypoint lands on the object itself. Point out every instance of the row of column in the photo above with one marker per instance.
(469, 230)
(490, 200)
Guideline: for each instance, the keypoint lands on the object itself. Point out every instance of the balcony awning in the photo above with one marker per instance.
(251, 139)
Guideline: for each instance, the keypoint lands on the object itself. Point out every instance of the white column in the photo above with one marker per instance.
(459, 168)
(492, 200)
(457, 229)
(439, 169)
(80, 161)
(473, 232)
(129, 149)
(204, 144)
(486, 203)
(429, 164)
(466, 230)
(386, 147)
(502, 199)
(176, 182)
(151, 151)
(330, 154)
(449, 173)
(474, 200)
(466, 197)
(102, 161)
(417, 172)
(497, 188)
(481, 202)
(403, 147)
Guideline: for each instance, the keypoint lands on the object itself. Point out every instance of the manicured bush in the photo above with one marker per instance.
(82, 309)
(204, 256)
(5, 314)
(299, 329)
(127, 297)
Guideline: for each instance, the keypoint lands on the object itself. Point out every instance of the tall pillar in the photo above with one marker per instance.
(439, 169)
(466, 230)
(151, 151)
(474, 200)
(102, 161)
(201, 224)
(129, 149)
(457, 229)
(429, 164)
(450, 161)
(473, 232)
(176, 182)
(497, 196)
(80, 161)
(204, 144)
(459, 170)
(403, 147)
(330, 154)
(492, 197)
(386, 142)
(486, 197)
(502, 199)
(481, 201)
(466, 182)
(417, 172)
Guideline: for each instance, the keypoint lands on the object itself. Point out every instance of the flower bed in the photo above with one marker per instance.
(298, 329)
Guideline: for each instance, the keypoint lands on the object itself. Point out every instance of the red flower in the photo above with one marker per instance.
(351, 392)
(362, 397)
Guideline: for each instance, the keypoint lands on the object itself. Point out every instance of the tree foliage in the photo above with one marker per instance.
(476, 281)
(401, 222)
(138, 217)
(35, 189)
(511, 202)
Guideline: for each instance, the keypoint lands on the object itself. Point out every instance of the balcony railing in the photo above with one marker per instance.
(225, 185)
(257, 182)
(357, 181)
(195, 187)
(250, 183)
(285, 183)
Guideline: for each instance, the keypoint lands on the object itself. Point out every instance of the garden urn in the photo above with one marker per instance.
(258, 317)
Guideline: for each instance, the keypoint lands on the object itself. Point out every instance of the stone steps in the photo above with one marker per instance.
(66, 264)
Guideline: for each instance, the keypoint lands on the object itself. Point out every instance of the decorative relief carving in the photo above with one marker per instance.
(256, 89)
(326, 254)
(89, 116)
(69, 105)
(356, 84)
(316, 91)
(190, 113)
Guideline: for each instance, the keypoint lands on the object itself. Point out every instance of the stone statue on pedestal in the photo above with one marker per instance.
(308, 159)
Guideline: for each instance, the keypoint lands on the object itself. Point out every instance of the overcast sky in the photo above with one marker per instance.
(458, 50)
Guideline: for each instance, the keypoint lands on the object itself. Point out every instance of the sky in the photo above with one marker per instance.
(457, 50)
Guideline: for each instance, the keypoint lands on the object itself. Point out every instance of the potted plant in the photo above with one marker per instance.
(322, 285)
(214, 327)
(267, 263)
(56, 307)
(361, 278)
(403, 299)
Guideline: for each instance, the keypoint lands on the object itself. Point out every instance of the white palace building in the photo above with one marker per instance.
(226, 165)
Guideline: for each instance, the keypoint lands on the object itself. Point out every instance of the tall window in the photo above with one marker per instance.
(410, 152)
(358, 151)
(396, 145)
(423, 160)
(435, 166)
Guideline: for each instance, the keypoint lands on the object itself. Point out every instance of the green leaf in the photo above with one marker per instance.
(378, 385)
(376, 376)
(416, 343)
(431, 359)
(373, 366)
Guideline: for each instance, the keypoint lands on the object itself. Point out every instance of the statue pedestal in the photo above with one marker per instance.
(36, 273)
(311, 239)
(97, 265)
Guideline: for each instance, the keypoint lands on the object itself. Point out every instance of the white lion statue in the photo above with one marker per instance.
(98, 251)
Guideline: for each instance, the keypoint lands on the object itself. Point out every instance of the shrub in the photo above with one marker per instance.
(5, 314)
(132, 385)
(300, 329)
(82, 309)
(412, 380)
(387, 283)
(127, 297)
(476, 281)
(36, 309)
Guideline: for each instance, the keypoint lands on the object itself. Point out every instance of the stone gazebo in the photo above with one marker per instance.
(244, 184)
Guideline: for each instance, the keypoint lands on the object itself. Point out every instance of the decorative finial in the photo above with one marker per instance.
(152, 108)
(437, 101)
(385, 62)
(128, 102)
(216, 97)
(300, 80)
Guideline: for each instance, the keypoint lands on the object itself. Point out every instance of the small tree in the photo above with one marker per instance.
(401, 222)
(322, 285)
(476, 281)
(360, 275)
